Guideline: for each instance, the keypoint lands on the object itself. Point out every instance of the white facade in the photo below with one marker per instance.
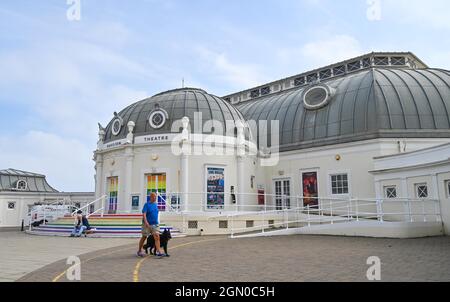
(15, 206)
(414, 175)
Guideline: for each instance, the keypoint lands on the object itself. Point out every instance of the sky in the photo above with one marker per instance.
(66, 65)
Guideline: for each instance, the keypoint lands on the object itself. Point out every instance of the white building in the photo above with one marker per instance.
(20, 190)
(344, 130)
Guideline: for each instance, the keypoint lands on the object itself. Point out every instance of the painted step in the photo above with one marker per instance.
(110, 225)
(103, 232)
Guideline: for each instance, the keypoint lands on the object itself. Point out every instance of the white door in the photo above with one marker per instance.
(282, 194)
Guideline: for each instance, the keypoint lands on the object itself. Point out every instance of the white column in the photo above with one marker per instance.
(186, 147)
(126, 203)
(404, 194)
(379, 194)
(240, 198)
(240, 148)
(98, 175)
(185, 181)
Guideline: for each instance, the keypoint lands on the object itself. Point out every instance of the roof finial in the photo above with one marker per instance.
(182, 83)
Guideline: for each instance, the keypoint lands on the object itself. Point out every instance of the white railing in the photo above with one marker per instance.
(232, 202)
(331, 211)
(101, 209)
(61, 204)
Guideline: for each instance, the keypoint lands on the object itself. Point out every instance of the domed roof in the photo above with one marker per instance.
(374, 103)
(174, 105)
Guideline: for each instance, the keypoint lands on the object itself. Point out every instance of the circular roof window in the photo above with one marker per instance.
(116, 126)
(158, 118)
(317, 97)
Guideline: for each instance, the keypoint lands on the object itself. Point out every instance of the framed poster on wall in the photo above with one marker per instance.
(310, 189)
(215, 188)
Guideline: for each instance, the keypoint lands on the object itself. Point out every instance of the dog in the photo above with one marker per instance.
(163, 240)
(38, 223)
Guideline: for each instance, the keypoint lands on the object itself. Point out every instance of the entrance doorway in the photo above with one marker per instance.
(282, 194)
(156, 183)
(310, 189)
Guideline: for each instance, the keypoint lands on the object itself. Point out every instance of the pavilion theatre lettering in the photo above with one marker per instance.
(156, 139)
(114, 144)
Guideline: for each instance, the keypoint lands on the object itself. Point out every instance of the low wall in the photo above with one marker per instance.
(366, 229)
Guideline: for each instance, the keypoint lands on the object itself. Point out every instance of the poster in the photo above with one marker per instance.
(215, 182)
(310, 190)
(135, 202)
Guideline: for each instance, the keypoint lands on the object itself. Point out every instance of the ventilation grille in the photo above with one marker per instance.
(223, 224)
(193, 224)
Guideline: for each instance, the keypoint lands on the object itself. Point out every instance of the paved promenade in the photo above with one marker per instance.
(21, 254)
(295, 258)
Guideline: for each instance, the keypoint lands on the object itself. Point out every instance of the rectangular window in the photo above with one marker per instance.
(381, 61)
(366, 62)
(354, 66)
(447, 186)
(215, 184)
(339, 184)
(299, 81)
(223, 224)
(325, 74)
(422, 190)
(265, 90)
(91, 208)
(311, 78)
(339, 70)
(398, 61)
(254, 93)
(390, 192)
(193, 224)
(156, 183)
(113, 189)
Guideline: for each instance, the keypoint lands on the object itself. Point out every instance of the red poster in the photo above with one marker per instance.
(310, 190)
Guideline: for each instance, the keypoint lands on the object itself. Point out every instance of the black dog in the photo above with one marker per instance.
(163, 240)
(38, 223)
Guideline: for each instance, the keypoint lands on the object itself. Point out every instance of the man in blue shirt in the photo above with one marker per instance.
(150, 225)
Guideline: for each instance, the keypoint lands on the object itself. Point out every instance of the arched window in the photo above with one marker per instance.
(21, 185)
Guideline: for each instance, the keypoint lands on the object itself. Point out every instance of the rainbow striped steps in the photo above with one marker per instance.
(108, 226)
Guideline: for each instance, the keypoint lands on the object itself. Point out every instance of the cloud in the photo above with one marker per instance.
(327, 50)
(66, 162)
(433, 13)
(331, 49)
(240, 76)
(69, 88)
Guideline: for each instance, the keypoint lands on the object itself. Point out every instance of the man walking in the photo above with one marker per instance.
(150, 225)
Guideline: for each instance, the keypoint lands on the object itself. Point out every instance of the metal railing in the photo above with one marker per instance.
(225, 202)
(332, 210)
(61, 204)
(101, 209)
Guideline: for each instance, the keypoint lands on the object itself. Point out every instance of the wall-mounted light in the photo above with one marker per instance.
(338, 157)
(155, 157)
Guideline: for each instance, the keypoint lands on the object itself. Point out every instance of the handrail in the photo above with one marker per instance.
(349, 210)
(89, 204)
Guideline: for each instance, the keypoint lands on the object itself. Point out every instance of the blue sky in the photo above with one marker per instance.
(58, 78)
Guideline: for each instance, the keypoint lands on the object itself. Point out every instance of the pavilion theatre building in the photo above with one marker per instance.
(372, 127)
